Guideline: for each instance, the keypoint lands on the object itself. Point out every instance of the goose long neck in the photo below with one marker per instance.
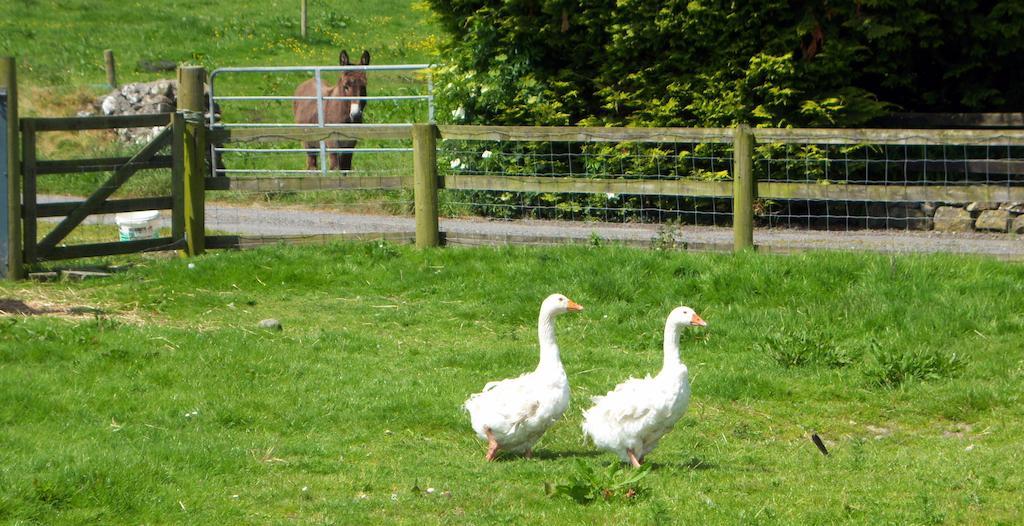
(549, 355)
(671, 346)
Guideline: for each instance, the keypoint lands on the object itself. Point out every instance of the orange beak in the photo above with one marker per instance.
(698, 321)
(574, 307)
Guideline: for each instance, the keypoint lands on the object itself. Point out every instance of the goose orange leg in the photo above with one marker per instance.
(492, 445)
(632, 458)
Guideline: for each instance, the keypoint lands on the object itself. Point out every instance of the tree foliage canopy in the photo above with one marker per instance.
(712, 63)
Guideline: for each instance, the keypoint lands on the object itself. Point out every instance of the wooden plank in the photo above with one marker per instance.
(28, 198)
(107, 164)
(109, 207)
(951, 120)
(234, 241)
(299, 184)
(112, 249)
(310, 133)
(888, 136)
(178, 176)
(509, 183)
(99, 122)
(861, 192)
(99, 196)
(585, 134)
(14, 268)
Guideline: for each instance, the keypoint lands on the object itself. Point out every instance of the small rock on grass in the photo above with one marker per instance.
(271, 324)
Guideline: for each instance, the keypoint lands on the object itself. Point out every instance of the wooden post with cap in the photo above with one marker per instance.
(194, 147)
(11, 199)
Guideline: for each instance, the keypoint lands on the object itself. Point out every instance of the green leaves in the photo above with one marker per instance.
(587, 485)
(690, 63)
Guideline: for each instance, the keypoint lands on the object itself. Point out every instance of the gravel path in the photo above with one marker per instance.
(256, 221)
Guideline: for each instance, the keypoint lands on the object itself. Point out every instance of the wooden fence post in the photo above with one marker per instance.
(303, 16)
(10, 185)
(743, 187)
(108, 59)
(424, 145)
(194, 147)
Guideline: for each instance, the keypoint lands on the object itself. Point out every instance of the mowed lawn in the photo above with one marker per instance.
(163, 402)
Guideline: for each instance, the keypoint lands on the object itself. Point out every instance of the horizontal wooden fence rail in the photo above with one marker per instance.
(581, 185)
(585, 134)
(889, 137)
(150, 120)
(105, 164)
(137, 204)
(890, 193)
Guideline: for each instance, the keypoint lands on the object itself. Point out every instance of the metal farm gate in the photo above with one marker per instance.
(232, 113)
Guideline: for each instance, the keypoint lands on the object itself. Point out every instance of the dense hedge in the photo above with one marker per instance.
(769, 62)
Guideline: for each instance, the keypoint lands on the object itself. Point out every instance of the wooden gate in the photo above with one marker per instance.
(49, 247)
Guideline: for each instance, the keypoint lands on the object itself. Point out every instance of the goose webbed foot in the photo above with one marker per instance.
(492, 445)
(633, 458)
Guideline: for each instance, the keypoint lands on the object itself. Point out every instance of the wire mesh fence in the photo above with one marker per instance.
(853, 182)
(590, 177)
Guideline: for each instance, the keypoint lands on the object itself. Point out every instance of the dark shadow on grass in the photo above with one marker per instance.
(555, 455)
(545, 455)
(11, 306)
(690, 464)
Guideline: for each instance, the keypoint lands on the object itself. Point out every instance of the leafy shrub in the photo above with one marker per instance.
(588, 485)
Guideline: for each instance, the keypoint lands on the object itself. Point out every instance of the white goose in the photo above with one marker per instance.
(630, 420)
(512, 414)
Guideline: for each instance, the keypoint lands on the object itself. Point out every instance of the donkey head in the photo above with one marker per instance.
(353, 84)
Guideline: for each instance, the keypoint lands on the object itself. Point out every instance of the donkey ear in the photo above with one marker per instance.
(365, 59)
(343, 58)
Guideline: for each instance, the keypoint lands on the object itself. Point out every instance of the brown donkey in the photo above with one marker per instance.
(350, 84)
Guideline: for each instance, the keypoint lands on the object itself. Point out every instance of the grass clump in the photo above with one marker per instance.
(894, 367)
(588, 484)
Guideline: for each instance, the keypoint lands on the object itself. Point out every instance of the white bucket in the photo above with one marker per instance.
(137, 225)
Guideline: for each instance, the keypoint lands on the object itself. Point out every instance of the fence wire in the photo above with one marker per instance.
(918, 179)
(575, 180)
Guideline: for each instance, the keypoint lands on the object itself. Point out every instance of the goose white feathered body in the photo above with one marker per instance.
(518, 411)
(638, 412)
(635, 415)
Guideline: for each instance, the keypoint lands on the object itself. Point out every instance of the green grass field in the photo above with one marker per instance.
(162, 402)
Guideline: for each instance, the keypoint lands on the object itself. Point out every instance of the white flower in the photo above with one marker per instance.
(430, 491)
(459, 113)
(456, 163)
(611, 195)
(486, 154)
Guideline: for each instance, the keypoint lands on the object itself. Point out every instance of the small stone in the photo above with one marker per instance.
(1016, 208)
(271, 324)
(1017, 227)
(953, 219)
(979, 206)
(998, 220)
(430, 491)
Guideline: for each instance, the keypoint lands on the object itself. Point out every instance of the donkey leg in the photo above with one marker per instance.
(346, 158)
(310, 157)
(334, 155)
